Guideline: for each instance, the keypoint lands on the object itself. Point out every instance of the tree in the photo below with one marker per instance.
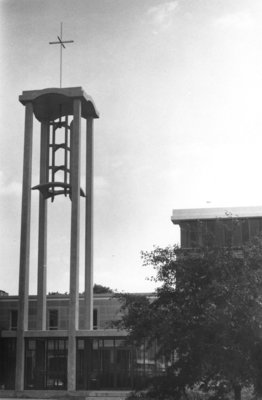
(207, 312)
(98, 289)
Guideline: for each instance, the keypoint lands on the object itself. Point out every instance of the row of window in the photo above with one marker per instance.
(101, 364)
(52, 319)
(229, 232)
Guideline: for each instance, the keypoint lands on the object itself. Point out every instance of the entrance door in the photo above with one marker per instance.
(103, 364)
(115, 364)
(122, 372)
(107, 368)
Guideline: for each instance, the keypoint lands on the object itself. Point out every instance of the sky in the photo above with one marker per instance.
(178, 85)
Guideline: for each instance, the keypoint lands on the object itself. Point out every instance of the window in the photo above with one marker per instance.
(95, 319)
(228, 232)
(53, 319)
(184, 235)
(260, 226)
(210, 238)
(13, 320)
(193, 231)
(245, 230)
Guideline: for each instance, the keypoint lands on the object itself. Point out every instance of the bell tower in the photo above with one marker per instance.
(58, 110)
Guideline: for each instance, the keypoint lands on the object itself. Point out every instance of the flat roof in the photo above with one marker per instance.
(215, 213)
(65, 297)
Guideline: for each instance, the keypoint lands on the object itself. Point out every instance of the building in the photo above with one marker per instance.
(217, 226)
(104, 361)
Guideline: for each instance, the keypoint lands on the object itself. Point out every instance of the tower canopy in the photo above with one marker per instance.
(52, 103)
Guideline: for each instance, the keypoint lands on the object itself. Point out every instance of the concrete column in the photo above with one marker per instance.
(74, 251)
(42, 230)
(89, 227)
(22, 325)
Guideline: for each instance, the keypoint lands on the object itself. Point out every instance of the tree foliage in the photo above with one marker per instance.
(98, 289)
(207, 312)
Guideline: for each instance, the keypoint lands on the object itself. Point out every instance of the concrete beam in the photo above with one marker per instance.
(88, 313)
(24, 247)
(74, 247)
(42, 230)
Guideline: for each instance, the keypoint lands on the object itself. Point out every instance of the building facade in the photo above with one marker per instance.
(219, 227)
(104, 359)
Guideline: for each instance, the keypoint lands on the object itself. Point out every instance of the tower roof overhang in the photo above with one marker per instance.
(52, 103)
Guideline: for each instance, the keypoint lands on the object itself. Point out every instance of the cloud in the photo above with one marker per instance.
(101, 186)
(240, 20)
(9, 188)
(161, 16)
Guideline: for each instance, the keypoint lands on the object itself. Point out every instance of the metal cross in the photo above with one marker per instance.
(61, 42)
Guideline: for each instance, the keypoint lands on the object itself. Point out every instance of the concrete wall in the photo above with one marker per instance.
(108, 309)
